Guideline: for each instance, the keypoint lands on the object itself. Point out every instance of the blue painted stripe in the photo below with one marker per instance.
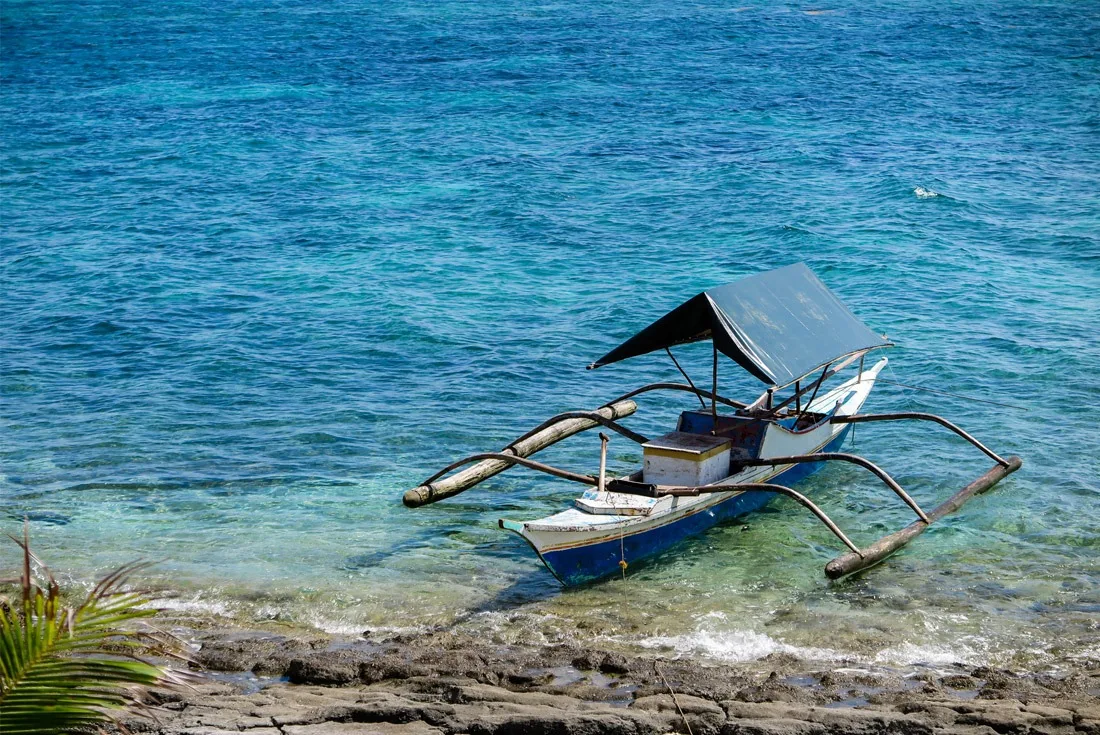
(582, 564)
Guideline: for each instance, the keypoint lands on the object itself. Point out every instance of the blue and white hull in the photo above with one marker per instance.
(593, 539)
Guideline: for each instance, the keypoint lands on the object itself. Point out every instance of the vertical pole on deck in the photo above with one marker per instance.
(714, 393)
(797, 398)
(820, 380)
(603, 459)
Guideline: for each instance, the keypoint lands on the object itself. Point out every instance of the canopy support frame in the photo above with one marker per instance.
(590, 415)
(687, 378)
(679, 386)
(714, 392)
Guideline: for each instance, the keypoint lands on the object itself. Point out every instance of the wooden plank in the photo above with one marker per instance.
(887, 545)
(467, 478)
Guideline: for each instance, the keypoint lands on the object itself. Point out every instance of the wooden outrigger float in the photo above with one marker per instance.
(788, 330)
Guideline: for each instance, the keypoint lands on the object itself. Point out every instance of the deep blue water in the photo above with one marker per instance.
(265, 266)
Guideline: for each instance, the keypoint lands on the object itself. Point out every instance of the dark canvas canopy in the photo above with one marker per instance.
(779, 326)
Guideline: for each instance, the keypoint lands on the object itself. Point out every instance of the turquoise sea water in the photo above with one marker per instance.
(265, 266)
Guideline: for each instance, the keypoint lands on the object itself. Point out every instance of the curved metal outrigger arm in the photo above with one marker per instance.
(679, 386)
(860, 418)
(764, 487)
(513, 459)
(656, 491)
(840, 457)
(591, 416)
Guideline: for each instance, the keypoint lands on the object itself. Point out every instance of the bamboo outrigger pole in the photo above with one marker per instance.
(887, 545)
(437, 489)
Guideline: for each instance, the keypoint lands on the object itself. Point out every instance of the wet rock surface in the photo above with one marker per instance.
(442, 684)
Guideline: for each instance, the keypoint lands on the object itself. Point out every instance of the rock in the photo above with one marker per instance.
(703, 716)
(484, 693)
(386, 668)
(264, 654)
(455, 663)
(523, 679)
(216, 731)
(682, 702)
(327, 667)
(607, 663)
(1006, 718)
(545, 721)
(783, 661)
(587, 692)
(840, 721)
(614, 663)
(959, 681)
(772, 727)
(450, 683)
(587, 662)
(357, 728)
(773, 689)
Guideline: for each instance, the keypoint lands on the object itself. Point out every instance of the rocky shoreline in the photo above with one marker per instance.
(444, 683)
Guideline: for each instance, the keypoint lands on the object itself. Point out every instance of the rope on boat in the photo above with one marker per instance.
(622, 550)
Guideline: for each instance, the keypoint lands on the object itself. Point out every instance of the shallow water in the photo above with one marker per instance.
(265, 267)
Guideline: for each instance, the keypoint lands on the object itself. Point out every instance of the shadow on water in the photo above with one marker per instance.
(423, 540)
(533, 585)
(537, 585)
(46, 517)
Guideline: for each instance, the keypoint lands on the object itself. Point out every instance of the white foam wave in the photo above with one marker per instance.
(195, 604)
(344, 627)
(913, 654)
(923, 193)
(734, 646)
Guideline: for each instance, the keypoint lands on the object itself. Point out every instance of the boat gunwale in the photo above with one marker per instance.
(672, 515)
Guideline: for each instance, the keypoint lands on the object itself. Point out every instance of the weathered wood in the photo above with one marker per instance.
(887, 545)
(467, 478)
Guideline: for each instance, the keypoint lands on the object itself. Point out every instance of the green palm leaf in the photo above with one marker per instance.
(65, 667)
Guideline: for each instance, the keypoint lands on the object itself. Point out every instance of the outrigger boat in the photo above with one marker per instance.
(786, 328)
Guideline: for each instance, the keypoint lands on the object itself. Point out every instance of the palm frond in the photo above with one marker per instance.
(65, 667)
